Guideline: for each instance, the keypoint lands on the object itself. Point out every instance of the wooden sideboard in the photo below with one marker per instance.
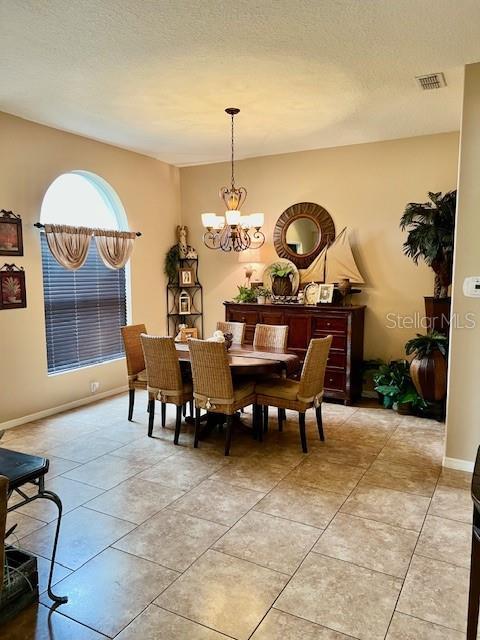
(343, 378)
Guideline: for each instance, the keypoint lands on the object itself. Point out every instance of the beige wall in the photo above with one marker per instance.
(364, 187)
(463, 414)
(32, 157)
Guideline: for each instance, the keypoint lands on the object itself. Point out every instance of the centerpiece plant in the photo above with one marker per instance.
(282, 274)
(245, 294)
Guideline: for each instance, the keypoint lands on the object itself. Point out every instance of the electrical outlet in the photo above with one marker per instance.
(94, 387)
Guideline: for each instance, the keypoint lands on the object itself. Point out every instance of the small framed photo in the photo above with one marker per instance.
(12, 287)
(186, 277)
(189, 332)
(184, 304)
(11, 239)
(326, 293)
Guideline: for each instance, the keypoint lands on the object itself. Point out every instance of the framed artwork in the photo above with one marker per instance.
(189, 332)
(12, 287)
(184, 304)
(311, 293)
(326, 293)
(186, 277)
(11, 239)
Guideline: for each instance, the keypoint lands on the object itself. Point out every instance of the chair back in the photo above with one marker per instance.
(313, 371)
(270, 336)
(212, 378)
(162, 365)
(3, 522)
(237, 329)
(133, 347)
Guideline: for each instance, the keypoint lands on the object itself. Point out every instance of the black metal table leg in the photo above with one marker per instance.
(49, 495)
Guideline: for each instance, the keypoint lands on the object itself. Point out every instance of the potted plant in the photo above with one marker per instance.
(172, 263)
(282, 274)
(393, 382)
(245, 294)
(428, 367)
(262, 294)
(431, 229)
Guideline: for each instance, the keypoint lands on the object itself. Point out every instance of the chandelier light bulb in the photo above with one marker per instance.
(233, 217)
(208, 220)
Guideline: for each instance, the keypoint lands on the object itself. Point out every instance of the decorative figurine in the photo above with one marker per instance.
(186, 251)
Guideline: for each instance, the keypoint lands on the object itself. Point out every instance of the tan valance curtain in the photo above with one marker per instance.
(68, 245)
(114, 247)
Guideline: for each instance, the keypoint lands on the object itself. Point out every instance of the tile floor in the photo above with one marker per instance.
(365, 537)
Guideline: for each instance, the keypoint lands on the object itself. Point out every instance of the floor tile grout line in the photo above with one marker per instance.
(412, 556)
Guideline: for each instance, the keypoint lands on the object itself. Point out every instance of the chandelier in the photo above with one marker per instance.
(233, 231)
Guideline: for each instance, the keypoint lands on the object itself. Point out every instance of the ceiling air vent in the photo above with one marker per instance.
(432, 81)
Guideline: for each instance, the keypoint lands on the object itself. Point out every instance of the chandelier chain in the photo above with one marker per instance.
(233, 154)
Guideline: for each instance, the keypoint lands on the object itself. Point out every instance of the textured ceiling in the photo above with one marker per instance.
(155, 76)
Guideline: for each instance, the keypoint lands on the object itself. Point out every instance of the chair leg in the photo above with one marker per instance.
(228, 435)
(280, 419)
(318, 413)
(191, 408)
(178, 423)
(151, 416)
(131, 402)
(164, 413)
(303, 435)
(197, 427)
(265, 418)
(257, 422)
(184, 410)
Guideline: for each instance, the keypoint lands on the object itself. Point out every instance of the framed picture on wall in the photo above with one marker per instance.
(11, 239)
(186, 277)
(12, 287)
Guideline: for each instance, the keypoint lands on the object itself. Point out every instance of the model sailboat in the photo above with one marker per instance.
(334, 264)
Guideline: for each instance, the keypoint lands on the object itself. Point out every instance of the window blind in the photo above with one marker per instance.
(84, 311)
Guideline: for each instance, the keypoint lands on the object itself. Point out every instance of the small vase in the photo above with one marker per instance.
(260, 299)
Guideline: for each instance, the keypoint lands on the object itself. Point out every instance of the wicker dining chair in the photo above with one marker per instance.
(237, 329)
(213, 387)
(137, 376)
(164, 379)
(299, 395)
(270, 336)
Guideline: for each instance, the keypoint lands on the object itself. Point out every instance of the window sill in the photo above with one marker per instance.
(86, 366)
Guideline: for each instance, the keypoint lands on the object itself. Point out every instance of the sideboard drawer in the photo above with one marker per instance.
(239, 315)
(334, 380)
(336, 359)
(330, 323)
(338, 341)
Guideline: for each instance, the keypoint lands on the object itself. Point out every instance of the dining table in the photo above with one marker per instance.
(245, 360)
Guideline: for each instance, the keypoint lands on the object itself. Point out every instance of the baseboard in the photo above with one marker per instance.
(459, 465)
(63, 407)
(370, 394)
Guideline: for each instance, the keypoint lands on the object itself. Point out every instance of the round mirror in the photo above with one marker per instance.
(302, 231)
(302, 236)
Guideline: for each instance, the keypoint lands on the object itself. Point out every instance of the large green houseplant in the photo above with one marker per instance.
(431, 229)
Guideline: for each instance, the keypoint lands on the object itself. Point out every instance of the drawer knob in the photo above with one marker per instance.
(328, 324)
(330, 379)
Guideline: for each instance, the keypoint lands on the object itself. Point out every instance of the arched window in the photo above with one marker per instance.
(84, 309)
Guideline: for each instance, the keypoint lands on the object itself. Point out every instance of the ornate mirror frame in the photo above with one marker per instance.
(319, 216)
